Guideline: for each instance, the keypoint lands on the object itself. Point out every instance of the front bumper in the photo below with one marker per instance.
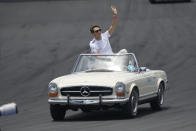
(87, 102)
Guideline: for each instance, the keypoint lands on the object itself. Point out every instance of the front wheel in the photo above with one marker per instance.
(158, 102)
(57, 112)
(132, 106)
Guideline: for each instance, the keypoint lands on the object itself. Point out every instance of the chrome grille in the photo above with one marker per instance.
(93, 91)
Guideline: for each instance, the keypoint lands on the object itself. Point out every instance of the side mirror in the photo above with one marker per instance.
(144, 69)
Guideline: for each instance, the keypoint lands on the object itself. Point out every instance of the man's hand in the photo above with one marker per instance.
(114, 10)
(112, 27)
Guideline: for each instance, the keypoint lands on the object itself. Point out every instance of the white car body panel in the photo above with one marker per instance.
(146, 81)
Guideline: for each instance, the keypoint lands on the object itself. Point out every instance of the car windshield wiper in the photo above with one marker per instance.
(100, 70)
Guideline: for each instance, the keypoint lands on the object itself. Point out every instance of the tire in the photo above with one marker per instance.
(158, 102)
(131, 106)
(57, 112)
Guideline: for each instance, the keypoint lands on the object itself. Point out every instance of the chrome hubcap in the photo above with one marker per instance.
(161, 96)
(134, 103)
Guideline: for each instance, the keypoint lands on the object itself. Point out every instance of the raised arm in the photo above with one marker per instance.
(112, 27)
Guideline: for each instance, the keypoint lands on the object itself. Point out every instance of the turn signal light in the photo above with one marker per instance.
(120, 94)
(52, 94)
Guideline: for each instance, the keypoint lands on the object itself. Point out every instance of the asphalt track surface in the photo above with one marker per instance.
(40, 41)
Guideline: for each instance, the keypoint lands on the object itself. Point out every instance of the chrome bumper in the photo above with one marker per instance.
(87, 102)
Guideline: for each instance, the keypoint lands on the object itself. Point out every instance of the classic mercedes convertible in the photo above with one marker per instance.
(105, 81)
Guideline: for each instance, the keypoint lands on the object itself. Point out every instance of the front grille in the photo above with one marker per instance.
(93, 91)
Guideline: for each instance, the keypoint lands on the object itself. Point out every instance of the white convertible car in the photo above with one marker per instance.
(105, 81)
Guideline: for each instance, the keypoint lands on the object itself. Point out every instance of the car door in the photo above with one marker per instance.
(140, 77)
(149, 82)
(142, 83)
(145, 79)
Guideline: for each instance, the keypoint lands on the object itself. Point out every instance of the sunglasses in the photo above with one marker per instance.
(96, 31)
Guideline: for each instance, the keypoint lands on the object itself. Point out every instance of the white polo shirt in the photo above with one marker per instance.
(102, 46)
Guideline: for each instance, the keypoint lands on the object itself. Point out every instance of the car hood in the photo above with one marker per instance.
(93, 78)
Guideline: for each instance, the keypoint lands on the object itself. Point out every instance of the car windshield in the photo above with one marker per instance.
(104, 63)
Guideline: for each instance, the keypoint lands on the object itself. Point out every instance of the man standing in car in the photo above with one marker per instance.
(100, 43)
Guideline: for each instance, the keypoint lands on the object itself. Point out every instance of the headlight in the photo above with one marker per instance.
(120, 89)
(52, 90)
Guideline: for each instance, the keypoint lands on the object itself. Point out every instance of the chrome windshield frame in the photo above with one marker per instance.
(78, 59)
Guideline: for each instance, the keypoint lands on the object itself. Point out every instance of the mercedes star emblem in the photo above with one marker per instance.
(85, 91)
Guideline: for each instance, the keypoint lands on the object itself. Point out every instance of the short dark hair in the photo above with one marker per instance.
(92, 28)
